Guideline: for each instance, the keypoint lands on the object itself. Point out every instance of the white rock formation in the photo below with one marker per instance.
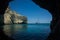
(11, 17)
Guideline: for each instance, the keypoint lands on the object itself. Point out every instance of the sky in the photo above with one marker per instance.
(33, 12)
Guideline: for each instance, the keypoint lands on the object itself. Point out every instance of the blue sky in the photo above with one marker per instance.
(32, 11)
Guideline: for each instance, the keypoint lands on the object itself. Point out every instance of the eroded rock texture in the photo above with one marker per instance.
(53, 6)
(3, 6)
(12, 17)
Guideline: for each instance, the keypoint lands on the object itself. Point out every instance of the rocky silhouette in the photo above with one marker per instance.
(3, 6)
(53, 6)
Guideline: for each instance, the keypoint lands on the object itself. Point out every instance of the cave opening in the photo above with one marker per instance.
(29, 9)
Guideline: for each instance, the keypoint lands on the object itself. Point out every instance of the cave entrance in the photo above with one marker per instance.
(34, 13)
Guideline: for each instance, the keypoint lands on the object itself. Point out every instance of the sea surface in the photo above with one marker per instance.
(27, 31)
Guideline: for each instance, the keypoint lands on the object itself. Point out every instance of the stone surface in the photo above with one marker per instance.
(3, 5)
(11, 17)
(53, 6)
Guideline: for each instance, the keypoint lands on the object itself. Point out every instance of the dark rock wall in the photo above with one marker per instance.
(53, 6)
(3, 7)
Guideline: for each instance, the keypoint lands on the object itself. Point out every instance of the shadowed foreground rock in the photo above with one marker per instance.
(3, 6)
(53, 6)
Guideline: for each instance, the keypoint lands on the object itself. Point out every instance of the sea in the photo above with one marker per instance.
(27, 31)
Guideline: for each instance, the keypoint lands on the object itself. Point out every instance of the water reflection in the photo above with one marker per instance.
(3, 36)
(10, 30)
(27, 31)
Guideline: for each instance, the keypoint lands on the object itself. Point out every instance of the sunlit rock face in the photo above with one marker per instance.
(11, 17)
(3, 5)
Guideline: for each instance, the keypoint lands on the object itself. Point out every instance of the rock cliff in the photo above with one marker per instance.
(11, 17)
(3, 5)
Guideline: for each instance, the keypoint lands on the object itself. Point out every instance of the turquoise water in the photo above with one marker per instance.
(27, 31)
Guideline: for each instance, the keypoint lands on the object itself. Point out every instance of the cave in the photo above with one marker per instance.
(53, 6)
